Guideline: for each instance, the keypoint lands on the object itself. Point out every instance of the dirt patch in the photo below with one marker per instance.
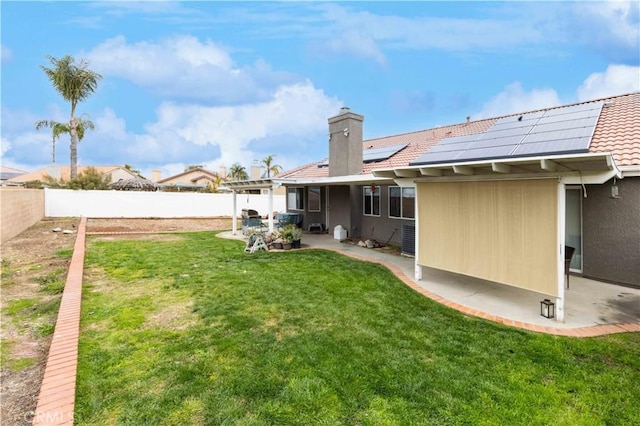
(26, 260)
(29, 313)
(158, 225)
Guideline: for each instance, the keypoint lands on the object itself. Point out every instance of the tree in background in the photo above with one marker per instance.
(238, 172)
(270, 169)
(134, 171)
(214, 186)
(91, 178)
(58, 129)
(75, 83)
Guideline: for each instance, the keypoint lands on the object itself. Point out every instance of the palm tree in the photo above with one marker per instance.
(238, 172)
(269, 167)
(75, 83)
(58, 129)
(214, 184)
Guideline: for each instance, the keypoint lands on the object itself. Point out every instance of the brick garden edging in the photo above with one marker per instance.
(56, 400)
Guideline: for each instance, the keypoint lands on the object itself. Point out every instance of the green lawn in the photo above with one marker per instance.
(195, 331)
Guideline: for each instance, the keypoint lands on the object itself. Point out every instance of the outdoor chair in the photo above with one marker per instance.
(568, 255)
(251, 220)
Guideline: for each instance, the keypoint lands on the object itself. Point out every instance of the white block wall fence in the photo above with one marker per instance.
(140, 204)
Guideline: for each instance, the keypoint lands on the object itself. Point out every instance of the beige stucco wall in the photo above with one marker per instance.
(502, 231)
(19, 209)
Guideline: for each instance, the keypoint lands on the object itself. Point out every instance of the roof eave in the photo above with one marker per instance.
(572, 168)
(630, 171)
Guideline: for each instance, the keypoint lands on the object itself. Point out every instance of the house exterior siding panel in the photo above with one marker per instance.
(383, 228)
(611, 233)
(502, 231)
(338, 205)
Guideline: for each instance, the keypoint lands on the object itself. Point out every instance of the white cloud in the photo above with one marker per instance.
(514, 99)
(5, 53)
(186, 68)
(616, 80)
(293, 120)
(366, 34)
(5, 146)
(296, 110)
(358, 44)
(610, 27)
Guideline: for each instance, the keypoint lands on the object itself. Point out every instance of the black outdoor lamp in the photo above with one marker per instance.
(547, 308)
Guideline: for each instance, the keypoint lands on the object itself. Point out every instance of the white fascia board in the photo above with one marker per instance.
(252, 184)
(499, 165)
(590, 178)
(630, 171)
(405, 182)
(338, 180)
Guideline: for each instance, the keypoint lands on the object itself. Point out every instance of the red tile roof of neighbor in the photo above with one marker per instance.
(617, 132)
(61, 172)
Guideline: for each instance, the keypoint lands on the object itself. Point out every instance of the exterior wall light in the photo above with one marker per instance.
(547, 308)
(614, 189)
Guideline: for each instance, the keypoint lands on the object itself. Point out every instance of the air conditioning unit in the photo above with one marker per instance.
(409, 240)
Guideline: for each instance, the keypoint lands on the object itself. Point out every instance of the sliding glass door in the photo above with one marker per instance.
(573, 226)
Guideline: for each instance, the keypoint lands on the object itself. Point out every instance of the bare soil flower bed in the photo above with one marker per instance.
(34, 267)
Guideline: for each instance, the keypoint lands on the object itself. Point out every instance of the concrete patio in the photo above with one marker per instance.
(588, 303)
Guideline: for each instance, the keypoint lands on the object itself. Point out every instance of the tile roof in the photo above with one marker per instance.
(617, 132)
(62, 172)
(9, 172)
(190, 175)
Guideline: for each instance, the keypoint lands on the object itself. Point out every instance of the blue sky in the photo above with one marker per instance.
(215, 83)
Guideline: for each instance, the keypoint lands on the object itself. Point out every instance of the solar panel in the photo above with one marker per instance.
(379, 154)
(486, 152)
(561, 146)
(555, 131)
(452, 147)
(457, 139)
(435, 157)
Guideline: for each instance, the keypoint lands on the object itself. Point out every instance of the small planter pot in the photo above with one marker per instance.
(295, 244)
(277, 246)
(286, 246)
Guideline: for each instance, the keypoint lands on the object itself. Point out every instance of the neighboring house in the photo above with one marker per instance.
(63, 173)
(7, 173)
(498, 199)
(191, 180)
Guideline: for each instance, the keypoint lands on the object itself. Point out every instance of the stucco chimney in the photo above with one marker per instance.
(345, 143)
(255, 170)
(156, 175)
(55, 172)
(223, 172)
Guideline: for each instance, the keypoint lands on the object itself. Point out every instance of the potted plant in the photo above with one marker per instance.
(276, 240)
(287, 236)
(277, 243)
(296, 235)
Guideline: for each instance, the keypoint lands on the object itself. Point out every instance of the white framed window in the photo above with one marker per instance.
(402, 202)
(313, 199)
(295, 198)
(371, 200)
